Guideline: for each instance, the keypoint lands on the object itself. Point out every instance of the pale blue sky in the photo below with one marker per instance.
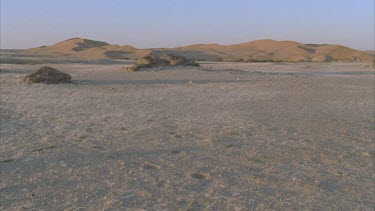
(170, 23)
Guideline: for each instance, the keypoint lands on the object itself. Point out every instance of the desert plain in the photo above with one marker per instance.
(223, 136)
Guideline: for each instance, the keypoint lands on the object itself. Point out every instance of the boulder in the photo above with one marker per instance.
(148, 60)
(166, 60)
(48, 75)
(174, 60)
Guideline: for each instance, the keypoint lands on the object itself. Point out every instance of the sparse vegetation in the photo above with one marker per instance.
(165, 60)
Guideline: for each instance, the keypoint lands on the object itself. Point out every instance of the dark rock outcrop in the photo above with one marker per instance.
(48, 75)
(162, 61)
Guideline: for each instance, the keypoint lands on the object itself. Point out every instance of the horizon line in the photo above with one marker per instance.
(266, 39)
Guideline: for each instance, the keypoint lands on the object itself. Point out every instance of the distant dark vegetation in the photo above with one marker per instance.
(117, 54)
(310, 50)
(316, 45)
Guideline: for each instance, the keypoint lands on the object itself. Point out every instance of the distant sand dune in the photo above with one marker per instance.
(255, 51)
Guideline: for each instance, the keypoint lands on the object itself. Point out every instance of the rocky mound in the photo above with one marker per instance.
(48, 75)
(166, 60)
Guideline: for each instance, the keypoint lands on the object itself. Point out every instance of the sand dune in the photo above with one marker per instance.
(260, 50)
(89, 49)
(370, 52)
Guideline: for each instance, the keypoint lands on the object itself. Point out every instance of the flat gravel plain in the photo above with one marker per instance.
(226, 136)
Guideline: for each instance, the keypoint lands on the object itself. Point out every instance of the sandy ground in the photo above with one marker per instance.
(237, 137)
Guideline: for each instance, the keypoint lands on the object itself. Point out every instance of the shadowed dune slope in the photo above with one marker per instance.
(260, 50)
(89, 49)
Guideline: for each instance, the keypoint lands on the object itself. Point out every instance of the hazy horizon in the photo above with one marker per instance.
(150, 24)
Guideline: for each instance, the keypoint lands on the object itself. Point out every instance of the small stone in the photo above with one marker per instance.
(199, 176)
(365, 154)
(147, 165)
(175, 151)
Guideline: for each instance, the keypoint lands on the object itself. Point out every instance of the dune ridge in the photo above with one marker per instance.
(254, 51)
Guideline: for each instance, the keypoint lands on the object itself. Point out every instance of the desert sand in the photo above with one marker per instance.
(224, 136)
(259, 50)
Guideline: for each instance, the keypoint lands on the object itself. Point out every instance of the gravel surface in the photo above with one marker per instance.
(227, 136)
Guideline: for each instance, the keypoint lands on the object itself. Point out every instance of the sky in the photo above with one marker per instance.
(172, 23)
